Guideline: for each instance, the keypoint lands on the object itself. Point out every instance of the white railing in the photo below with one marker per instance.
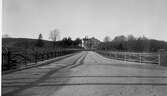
(153, 58)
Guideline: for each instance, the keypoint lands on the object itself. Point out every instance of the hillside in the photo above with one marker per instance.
(24, 43)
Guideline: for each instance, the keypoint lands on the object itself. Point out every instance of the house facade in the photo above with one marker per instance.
(90, 43)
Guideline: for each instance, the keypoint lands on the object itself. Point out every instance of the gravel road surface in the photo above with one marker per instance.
(87, 74)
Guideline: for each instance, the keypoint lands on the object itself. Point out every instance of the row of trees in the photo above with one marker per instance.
(55, 42)
(65, 42)
(131, 43)
(68, 42)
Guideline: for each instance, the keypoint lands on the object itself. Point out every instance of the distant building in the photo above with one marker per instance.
(90, 43)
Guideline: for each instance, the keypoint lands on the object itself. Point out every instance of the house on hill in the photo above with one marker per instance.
(90, 43)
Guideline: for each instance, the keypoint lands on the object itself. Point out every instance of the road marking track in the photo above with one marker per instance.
(46, 76)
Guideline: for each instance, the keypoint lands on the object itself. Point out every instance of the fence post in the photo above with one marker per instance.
(159, 59)
(125, 56)
(36, 57)
(25, 58)
(115, 55)
(47, 55)
(9, 58)
(52, 55)
(140, 58)
(55, 54)
(43, 56)
(163, 57)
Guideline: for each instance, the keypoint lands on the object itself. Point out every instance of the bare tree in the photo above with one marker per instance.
(54, 36)
(107, 39)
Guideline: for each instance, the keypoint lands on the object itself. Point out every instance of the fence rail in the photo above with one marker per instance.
(13, 60)
(152, 58)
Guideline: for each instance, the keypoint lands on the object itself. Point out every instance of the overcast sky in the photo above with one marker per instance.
(78, 18)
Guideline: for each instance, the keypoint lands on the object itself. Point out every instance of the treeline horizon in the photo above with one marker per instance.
(132, 44)
(119, 43)
(27, 43)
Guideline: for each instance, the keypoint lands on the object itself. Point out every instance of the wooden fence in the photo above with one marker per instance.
(12, 60)
(153, 58)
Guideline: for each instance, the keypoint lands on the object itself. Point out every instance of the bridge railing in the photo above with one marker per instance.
(153, 58)
(13, 60)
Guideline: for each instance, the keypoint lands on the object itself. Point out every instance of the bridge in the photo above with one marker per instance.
(87, 73)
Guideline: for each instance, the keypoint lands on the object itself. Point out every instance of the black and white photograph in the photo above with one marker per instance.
(84, 48)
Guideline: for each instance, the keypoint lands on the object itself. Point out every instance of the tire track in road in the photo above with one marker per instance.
(100, 58)
(97, 76)
(118, 84)
(91, 83)
(80, 62)
(44, 77)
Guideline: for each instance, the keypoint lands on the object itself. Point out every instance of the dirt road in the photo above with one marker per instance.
(87, 74)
